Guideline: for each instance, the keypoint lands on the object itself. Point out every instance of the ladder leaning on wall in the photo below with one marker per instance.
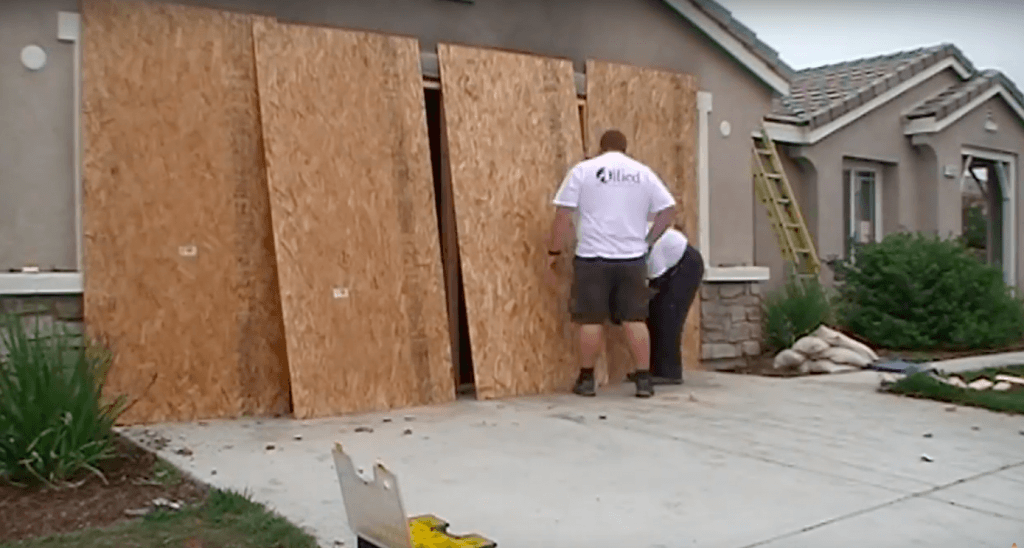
(774, 191)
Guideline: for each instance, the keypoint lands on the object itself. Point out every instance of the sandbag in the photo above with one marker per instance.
(845, 356)
(810, 346)
(789, 359)
(835, 338)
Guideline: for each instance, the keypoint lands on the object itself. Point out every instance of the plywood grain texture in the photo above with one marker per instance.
(180, 274)
(513, 131)
(354, 219)
(657, 111)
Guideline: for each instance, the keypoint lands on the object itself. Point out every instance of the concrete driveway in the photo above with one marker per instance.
(724, 461)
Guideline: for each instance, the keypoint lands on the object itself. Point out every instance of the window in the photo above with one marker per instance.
(862, 207)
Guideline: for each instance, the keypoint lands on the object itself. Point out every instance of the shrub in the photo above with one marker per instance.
(54, 422)
(793, 311)
(918, 292)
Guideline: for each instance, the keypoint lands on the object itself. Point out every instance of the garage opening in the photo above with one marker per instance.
(462, 358)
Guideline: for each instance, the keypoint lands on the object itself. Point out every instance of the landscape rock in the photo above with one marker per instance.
(835, 338)
(957, 382)
(811, 346)
(789, 359)
(1002, 386)
(1010, 379)
(845, 356)
(981, 384)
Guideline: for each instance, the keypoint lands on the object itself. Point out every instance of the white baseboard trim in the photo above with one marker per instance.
(41, 283)
(737, 274)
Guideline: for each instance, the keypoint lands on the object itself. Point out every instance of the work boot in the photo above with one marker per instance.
(655, 380)
(585, 383)
(644, 386)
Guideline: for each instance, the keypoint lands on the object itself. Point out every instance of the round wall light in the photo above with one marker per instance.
(725, 127)
(33, 57)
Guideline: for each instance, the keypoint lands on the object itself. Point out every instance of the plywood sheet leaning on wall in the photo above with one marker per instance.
(354, 219)
(181, 278)
(513, 131)
(657, 111)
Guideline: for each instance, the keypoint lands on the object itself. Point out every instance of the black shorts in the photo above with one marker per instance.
(606, 289)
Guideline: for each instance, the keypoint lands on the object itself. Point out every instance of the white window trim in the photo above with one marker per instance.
(854, 170)
(714, 273)
(69, 29)
(1010, 200)
(788, 133)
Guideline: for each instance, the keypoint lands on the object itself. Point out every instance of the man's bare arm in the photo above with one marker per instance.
(662, 220)
(561, 227)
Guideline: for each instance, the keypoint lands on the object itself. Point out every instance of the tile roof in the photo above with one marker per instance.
(821, 94)
(952, 98)
(744, 34)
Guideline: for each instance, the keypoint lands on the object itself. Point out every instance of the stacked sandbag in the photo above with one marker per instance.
(825, 351)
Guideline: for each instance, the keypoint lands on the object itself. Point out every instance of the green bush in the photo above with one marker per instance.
(54, 422)
(795, 310)
(918, 292)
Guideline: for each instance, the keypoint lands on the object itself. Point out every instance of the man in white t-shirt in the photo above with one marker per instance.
(675, 270)
(612, 197)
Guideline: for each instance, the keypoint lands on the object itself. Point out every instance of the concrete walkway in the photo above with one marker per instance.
(724, 461)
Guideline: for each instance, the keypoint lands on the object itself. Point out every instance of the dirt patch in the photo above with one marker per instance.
(135, 477)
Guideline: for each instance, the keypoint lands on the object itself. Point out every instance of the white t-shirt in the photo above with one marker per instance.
(613, 195)
(666, 252)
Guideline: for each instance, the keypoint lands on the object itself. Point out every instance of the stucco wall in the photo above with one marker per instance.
(36, 172)
(37, 212)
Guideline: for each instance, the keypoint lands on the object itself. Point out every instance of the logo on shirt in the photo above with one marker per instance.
(620, 176)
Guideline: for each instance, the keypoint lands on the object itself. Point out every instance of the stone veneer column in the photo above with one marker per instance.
(730, 322)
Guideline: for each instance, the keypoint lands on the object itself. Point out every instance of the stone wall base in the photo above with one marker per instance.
(45, 311)
(730, 323)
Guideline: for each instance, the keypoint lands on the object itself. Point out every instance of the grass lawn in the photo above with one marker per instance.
(222, 520)
(923, 385)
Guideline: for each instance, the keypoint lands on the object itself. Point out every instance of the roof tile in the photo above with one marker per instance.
(851, 83)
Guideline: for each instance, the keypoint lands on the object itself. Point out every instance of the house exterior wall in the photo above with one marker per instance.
(36, 162)
(37, 199)
(876, 137)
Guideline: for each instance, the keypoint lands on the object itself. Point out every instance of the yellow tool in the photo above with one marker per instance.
(774, 191)
(377, 517)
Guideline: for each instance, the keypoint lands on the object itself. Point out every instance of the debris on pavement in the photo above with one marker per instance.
(409, 418)
(928, 434)
(298, 437)
(387, 419)
(926, 458)
(975, 428)
(184, 451)
(270, 447)
(407, 432)
(602, 417)
(213, 472)
(951, 408)
(362, 429)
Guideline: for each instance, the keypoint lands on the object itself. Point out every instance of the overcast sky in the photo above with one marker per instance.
(808, 33)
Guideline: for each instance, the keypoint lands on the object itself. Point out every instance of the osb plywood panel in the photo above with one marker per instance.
(513, 131)
(180, 274)
(657, 111)
(354, 219)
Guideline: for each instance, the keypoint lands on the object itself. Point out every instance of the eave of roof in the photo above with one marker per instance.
(736, 39)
